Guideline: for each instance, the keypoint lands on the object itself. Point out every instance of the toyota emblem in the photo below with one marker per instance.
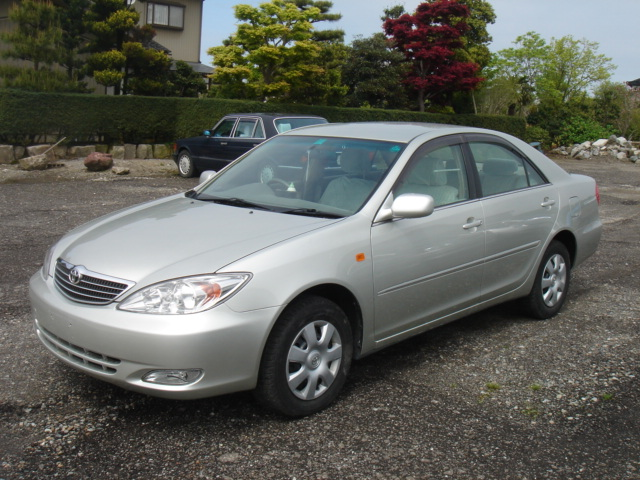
(75, 276)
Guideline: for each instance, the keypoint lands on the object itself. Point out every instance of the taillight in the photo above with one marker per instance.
(597, 194)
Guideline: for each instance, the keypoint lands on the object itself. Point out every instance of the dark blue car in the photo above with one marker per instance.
(234, 135)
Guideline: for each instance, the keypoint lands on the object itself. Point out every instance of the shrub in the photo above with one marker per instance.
(137, 119)
(581, 129)
(538, 134)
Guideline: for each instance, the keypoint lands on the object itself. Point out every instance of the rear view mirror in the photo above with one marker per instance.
(409, 205)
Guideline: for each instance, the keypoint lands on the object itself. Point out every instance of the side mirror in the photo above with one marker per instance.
(206, 133)
(409, 205)
(206, 175)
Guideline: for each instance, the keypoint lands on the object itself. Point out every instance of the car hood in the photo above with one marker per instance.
(178, 237)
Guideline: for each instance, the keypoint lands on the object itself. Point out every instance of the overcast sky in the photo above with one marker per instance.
(612, 24)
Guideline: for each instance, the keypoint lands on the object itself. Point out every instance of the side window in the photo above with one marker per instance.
(501, 170)
(245, 128)
(224, 128)
(259, 133)
(439, 173)
(534, 177)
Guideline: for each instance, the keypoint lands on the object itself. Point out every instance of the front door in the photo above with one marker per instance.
(428, 268)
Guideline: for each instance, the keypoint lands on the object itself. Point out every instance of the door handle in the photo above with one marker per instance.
(548, 202)
(224, 143)
(472, 223)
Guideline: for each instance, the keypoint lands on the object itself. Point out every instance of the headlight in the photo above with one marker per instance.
(185, 295)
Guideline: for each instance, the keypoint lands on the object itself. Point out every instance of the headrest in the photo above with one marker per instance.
(429, 171)
(499, 166)
(354, 161)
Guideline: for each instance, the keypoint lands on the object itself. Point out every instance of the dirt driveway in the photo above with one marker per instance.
(493, 396)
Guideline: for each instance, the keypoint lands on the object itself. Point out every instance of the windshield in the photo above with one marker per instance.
(305, 175)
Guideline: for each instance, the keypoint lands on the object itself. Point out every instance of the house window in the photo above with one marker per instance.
(163, 15)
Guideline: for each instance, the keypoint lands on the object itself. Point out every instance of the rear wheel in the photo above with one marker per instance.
(186, 167)
(306, 359)
(551, 286)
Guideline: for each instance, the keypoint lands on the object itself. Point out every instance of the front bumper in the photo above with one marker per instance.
(121, 347)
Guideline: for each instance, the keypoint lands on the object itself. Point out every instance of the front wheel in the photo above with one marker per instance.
(186, 168)
(551, 285)
(306, 359)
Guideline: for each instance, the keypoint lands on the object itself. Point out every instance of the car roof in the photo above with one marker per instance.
(402, 132)
(272, 115)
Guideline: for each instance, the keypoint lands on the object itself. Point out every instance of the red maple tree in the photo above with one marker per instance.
(429, 39)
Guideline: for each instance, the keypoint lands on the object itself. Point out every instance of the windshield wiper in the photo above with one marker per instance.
(311, 212)
(235, 202)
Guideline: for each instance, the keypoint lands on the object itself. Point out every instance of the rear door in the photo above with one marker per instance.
(520, 209)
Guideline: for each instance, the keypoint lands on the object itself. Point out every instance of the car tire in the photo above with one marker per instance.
(307, 358)
(186, 168)
(552, 282)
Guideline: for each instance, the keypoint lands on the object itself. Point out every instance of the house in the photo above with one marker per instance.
(634, 84)
(178, 26)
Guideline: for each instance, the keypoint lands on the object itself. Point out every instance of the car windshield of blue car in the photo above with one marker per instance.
(305, 175)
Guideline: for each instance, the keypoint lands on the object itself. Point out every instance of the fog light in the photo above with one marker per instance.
(173, 377)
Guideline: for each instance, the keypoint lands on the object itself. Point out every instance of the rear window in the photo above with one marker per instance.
(286, 124)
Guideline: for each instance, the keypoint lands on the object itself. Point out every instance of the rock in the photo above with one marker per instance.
(7, 154)
(19, 151)
(129, 151)
(600, 143)
(36, 150)
(81, 151)
(585, 145)
(613, 140)
(144, 151)
(117, 152)
(575, 151)
(161, 151)
(634, 159)
(120, 170)
(34, 162)
(60, 152)
(584, 155)
(621, 155)
(98, 162)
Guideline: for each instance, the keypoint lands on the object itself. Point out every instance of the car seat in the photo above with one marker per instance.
(429, 177)
(349, 191)
(499, 175)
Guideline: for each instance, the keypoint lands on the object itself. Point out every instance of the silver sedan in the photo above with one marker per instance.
(318, 247)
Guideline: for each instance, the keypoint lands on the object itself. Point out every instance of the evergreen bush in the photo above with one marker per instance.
(26, 116)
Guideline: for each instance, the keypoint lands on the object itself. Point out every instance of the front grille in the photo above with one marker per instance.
(78, 355)
(80, 285)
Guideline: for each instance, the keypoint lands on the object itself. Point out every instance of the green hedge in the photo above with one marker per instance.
(25, 116)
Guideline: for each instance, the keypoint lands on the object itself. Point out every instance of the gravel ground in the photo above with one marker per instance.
(492, 396)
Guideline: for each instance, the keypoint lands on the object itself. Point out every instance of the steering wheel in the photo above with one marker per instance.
(278, 185)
